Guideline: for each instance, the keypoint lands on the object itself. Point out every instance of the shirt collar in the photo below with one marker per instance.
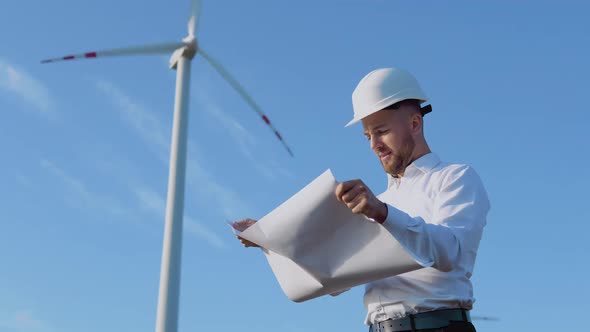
(423, 164)
(426, 163)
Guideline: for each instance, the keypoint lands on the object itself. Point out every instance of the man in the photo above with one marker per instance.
(436, 210)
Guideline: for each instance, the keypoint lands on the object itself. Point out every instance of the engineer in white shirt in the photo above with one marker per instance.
(436, 210)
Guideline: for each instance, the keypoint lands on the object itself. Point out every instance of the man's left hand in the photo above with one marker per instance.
(361, 200)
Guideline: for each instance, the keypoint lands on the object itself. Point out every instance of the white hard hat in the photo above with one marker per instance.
(382, 88)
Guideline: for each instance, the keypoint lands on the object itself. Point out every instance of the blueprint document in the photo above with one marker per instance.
(316, 246)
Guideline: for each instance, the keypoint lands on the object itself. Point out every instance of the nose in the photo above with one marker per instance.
(376, 143)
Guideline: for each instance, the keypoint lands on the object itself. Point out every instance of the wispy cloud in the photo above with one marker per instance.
(69, 180)
(243, 138)
(29, 89)
(23, 180)
(145, 123)
(151, 129)
(227, 201)
(24, 321)
(82, 193)
(240, 134)
(153, 202)
(147, 200)
(280, 171)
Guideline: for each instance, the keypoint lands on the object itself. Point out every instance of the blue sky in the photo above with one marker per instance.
(85, 152)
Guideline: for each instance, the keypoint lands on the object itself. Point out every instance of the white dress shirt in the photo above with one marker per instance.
(437, 211)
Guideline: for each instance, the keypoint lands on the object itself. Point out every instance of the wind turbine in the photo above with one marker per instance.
(488, 318)
(183, 53)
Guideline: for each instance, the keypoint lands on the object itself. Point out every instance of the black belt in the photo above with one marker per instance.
(425, 320)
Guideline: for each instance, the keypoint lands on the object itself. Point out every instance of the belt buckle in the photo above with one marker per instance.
(393, 325)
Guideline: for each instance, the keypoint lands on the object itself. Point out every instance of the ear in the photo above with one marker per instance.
(416, 122)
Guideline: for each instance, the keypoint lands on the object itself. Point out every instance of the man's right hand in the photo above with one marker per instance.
(241, 226)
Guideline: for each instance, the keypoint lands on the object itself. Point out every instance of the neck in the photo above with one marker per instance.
(419, 151)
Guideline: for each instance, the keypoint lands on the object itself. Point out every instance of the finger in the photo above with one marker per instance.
(357, 204)
(246, 222)
(344, 187)
(339, 191)
(353, 193)
(361, 207)
(243, 224)
(247, 243)
(243, 242)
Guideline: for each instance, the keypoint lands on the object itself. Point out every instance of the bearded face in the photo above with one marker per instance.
(391, 139)
(396, 157)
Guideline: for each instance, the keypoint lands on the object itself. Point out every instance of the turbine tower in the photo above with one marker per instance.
(183, 53)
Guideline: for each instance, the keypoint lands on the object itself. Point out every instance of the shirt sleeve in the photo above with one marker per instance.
(452, 236)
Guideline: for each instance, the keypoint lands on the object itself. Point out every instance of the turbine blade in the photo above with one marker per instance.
(137, 50)
(193, 20)
(476, 317)
(238, 87)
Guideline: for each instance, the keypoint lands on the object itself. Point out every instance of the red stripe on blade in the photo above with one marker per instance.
(90, 55)
(265, 119)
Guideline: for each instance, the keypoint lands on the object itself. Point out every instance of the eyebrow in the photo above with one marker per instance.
(366, 132)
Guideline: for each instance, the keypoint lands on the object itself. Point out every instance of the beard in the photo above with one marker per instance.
(401, 158)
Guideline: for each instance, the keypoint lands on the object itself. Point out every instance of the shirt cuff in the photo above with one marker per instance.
(396, 220)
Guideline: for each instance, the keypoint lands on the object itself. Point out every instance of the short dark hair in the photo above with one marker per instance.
(415, 102)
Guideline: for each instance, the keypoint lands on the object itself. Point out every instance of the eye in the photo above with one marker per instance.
(381, 131)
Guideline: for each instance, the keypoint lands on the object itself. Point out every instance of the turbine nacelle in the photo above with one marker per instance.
(188, 50)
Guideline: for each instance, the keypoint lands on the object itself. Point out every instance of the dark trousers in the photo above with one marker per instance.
(454, 326)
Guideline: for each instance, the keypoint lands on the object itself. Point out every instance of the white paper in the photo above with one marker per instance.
(316, 246)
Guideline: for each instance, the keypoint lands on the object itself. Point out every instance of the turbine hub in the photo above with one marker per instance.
(189, 50)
